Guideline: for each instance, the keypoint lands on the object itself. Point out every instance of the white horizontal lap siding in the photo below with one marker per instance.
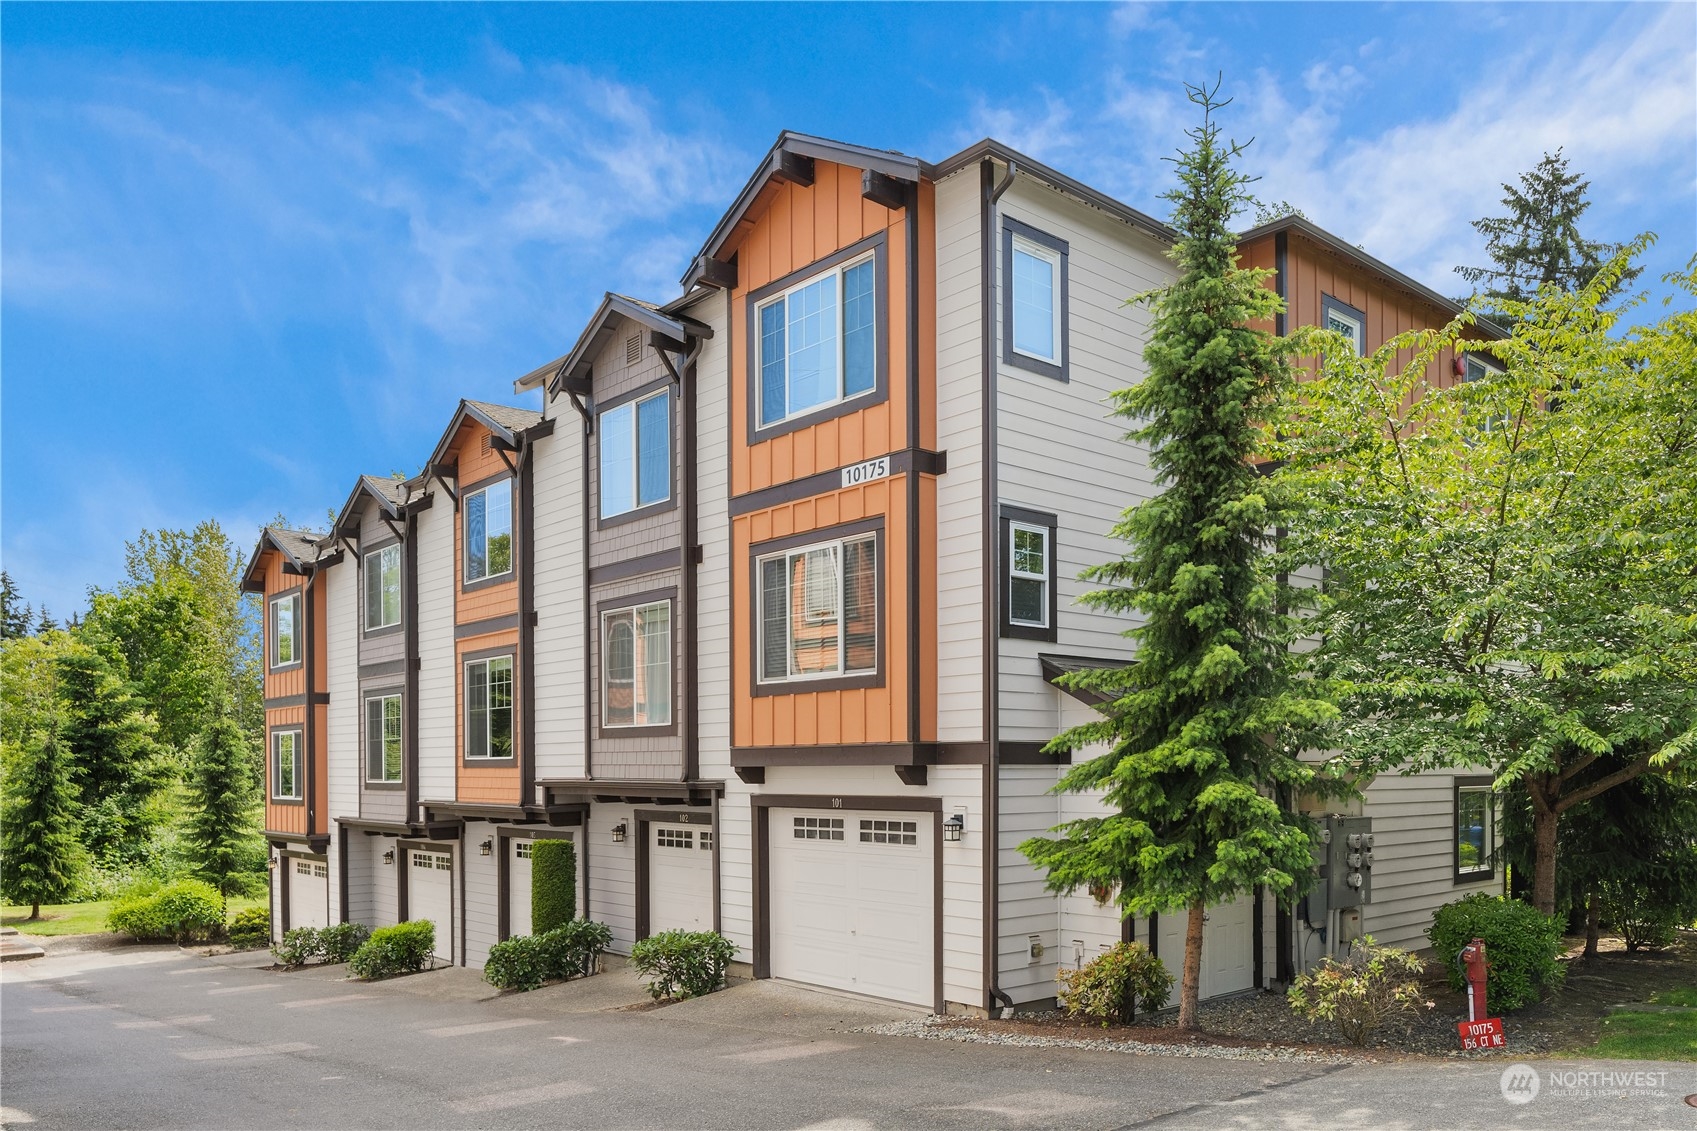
(1058, 447)
(963, 871)
(342, 738)
(366, 881)
(437, 754)
(735, 832)
(1027, 908)
(713, 534)
(612, 873)
(478, 917)
(1413, 856)
(960, 493)
(558, 556)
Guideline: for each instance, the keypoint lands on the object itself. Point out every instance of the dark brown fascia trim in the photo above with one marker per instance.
(880, 672)
(864, 754)
(283, 702)
(342, 873)
(487, 626)
(566, 791)
(411, 663)
(630, 601)
(915, 665)
(1004, 575)
(438, 813)
(989, 485)
(698, 814)
(918, 460)
(561, 830)
(589, 626)
(309, 651)
(658, 562)
(1281, 281)
(570, 373)
(989, 150)
(1014, 753)
(525, 551)
(897, 802)
(878, 244)
(296, 591)
(1010, 356)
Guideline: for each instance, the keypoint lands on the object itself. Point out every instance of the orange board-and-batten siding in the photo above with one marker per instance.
(296, 683)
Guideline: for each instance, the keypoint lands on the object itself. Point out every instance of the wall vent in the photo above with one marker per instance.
(633, 349)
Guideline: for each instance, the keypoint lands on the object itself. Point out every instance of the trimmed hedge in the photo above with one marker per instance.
(1111, 986)
(182, 912)
(525, 962)
(405, 948)
(553, 884)
(682, 964)
(1520, 946)
(332, 944)
(296, 946)
(250, 929)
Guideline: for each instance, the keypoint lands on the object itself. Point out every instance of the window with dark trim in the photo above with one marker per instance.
(1342, 318)
(817, 341)
(636, 454)
(285, 765)
(818, 610)
(1029, 602)
(383, 738)
(636, 689)
(488, 521)
(1475, 830)
(489, 709)
(382, 588)
(285, 631)
(1034, 300)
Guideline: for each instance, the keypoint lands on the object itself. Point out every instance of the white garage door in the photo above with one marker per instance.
(430, 895)
(680, 878)
(852, 899)
(518, 883)
(309, 892)
(1228, 942)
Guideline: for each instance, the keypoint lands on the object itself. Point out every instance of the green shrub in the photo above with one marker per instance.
(525, 962)
(1112, 985)
(682, 964)
(250, 929)
(553, 885)
(404, 948)
(1644, 916)
(297, 946)
(1360, 992)
(182, 912)
(342, 941)
(1520, 946)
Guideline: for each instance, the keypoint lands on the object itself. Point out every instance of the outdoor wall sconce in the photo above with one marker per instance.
(486, 848)
(389, 856)
(619, 831)
(954, 826)
(273, 863)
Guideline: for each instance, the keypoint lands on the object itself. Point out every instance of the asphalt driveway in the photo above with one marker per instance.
(153, 1037)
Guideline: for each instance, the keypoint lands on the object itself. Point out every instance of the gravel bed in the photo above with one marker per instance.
(985, 1033)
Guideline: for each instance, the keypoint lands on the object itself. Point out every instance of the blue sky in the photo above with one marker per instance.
(249, 252)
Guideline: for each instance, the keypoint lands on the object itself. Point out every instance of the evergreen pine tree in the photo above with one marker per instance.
(15, 616)
(116, 764)
(1202, 732)
(40, 855)
(221, 801)
(1538, 242)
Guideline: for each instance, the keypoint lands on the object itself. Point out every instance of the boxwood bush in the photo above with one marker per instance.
(682, 964)
(525, 962)
(297, 945)
(404, 948)
(182, 912)
(1112, 985)
(250, 929)
(553, 885)
(1520, 946)
(337, 943)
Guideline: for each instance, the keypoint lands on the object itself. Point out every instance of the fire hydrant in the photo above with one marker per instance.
(1473, 955)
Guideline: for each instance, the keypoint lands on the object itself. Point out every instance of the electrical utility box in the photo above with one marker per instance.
(1348, 871)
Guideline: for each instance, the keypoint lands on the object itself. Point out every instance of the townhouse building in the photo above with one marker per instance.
(763, 604)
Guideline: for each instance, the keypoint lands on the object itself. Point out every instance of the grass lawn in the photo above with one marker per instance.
(82, 918)
(1685, 995)
(1651, 1036)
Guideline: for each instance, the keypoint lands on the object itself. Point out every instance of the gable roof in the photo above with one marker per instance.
(1056, 665)
(389, 494)
(574, 366)
(1060, 182)
(506, 422)
(300, 549)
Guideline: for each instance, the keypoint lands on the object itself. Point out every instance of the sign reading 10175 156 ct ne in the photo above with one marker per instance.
(856, 474)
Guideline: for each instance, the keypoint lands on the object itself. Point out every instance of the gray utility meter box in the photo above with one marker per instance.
(1348, 870)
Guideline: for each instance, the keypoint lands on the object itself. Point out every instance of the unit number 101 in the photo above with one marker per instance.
(866, 472)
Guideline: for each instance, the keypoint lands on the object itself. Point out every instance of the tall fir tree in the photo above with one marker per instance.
(16, 618)
(41, 857)
(1203, 731)
(1538, 242)
(222, 798)
(116, 763)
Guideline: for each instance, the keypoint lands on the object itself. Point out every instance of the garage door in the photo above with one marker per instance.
(852, 899)
(430, 895)
(680, 878)
(309, 892)
(518, 883)
(1228, 946)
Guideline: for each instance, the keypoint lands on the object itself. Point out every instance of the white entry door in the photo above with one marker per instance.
(853, 901)
(680, 878)
(309, 891)
(430, 894)
(519, 883)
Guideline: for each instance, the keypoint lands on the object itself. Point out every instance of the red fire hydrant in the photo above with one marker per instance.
(1473, 954)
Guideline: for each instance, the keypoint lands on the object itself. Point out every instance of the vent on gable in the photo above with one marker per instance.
(633, 349)
(489, 441)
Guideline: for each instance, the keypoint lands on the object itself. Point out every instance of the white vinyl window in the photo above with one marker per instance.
(636, 687)
(489, 708)
(286, 631)
(383, 738)
(286, 765)
(488, 531)
(636, 454)
(819, 610)
(1036, 278)
(383, 587)
(818, 342)
(1028, 575)
(1345, 321)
